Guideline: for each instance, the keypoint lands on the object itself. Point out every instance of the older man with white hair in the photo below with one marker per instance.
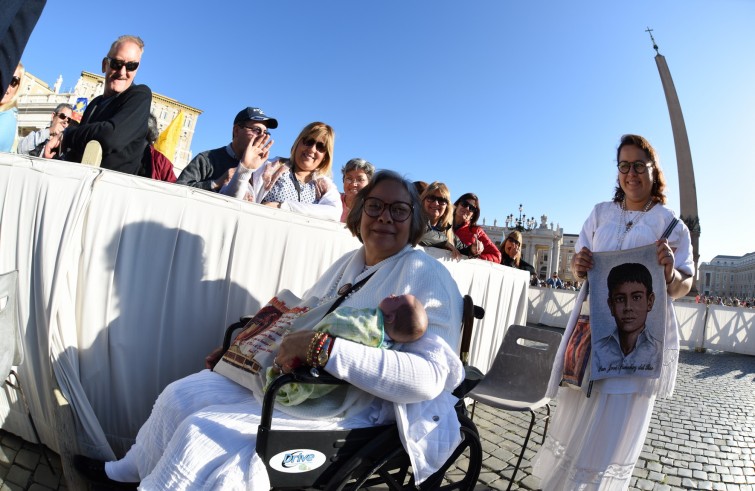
(118, 118)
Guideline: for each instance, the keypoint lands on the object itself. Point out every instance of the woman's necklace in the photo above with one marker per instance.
(631, 222)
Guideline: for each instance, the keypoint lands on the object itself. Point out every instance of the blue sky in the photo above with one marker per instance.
(518, 102)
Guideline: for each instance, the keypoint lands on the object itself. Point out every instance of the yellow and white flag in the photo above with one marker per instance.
(167, 142)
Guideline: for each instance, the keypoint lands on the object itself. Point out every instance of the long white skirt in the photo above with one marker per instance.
(593, 443)
(201, 435)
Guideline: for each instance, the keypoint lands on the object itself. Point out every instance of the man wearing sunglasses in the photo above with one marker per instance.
(46, 142)
(118, 118)
(212, 169)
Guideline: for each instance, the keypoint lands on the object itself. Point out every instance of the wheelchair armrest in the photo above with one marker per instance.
(243, 321)
(302, 375)
(472, 376)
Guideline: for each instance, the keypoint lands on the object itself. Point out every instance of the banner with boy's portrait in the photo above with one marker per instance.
(627, 313)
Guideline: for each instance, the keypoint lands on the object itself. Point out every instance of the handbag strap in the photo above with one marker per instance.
(351, 289)
(670, 228)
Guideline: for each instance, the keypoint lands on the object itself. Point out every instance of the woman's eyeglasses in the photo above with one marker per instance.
(469, 206)
(63, 117)
(320, 146)
(515, 242)
(638, 165)
(399, 210)
(15, 81)
(437, 199)
(118, 64)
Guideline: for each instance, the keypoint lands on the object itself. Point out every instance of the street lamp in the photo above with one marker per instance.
(522, 223)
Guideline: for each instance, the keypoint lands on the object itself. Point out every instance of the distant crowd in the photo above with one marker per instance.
(301, 182)
(729, 301)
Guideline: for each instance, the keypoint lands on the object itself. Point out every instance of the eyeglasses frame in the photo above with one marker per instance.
(384, 205)
(639, 166)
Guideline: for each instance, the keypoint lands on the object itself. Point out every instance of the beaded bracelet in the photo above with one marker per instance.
(314, 347)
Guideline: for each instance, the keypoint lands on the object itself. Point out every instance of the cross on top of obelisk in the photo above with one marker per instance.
(655, 46)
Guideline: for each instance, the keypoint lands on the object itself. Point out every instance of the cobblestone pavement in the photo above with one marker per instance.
(702, 438)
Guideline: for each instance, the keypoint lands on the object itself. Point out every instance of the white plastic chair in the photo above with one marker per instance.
(518, 378)
(11, 345)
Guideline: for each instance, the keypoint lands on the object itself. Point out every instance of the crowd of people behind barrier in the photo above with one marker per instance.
(121, 122)
(727, 300)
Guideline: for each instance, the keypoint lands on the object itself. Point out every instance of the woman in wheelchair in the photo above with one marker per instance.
(202, 431)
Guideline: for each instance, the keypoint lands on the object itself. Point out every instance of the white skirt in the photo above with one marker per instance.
(201, 435)
(593, 443)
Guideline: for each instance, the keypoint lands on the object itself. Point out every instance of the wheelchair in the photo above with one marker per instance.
(362, 458)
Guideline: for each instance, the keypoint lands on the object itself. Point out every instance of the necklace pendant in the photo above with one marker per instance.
(345, 288)
(629, 226)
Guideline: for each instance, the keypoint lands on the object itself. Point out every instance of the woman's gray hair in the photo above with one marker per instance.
(416, 228)
(358, 164)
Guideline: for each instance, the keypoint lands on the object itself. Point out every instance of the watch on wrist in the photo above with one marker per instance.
(324, 355)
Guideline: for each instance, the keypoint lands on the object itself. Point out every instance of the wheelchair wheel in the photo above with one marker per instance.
(393, 472)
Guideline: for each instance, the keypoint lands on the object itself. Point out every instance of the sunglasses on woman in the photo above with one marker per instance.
(399, 210)
(320, 146)
(437, 199)
(469, 206)
(118, 64)
(63, 117)
(15, 81)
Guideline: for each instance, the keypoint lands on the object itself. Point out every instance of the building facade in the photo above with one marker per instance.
(544, 246)
(37, 101)
(730, 276)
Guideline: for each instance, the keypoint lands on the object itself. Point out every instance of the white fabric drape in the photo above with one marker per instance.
(126, 284)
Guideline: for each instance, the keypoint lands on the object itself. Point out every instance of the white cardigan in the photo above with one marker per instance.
(415, 378)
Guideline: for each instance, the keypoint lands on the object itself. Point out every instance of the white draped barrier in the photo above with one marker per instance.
(536, 304)
(126, 284)
(691, 319)
(730, 329)
(557, 307)
(716, 327)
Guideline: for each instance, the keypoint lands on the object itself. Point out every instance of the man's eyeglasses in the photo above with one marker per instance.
(399, 210)
(638, 165)
(118, 64)
(255, 130)
(15, 81)
(63, 117)
(437, 199)
(320, 146)
(469, 206)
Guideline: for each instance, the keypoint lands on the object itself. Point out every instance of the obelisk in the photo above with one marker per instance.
(687, 188)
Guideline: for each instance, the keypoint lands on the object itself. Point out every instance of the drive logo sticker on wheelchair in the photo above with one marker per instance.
(297, 460)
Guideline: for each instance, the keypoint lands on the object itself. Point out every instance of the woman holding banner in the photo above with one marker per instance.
(595, 441)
